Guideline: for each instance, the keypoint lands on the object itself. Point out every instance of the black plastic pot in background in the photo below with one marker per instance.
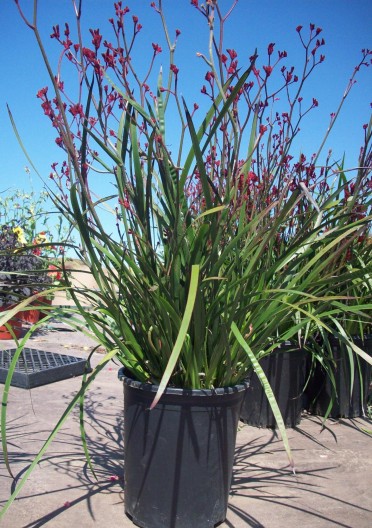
(178, 458)
(286, 373)
(348, 402)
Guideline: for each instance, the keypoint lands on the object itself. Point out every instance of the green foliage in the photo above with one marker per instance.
(144, 277)
(40, 224)
(24, 208)
(267, 235)
(224, 247)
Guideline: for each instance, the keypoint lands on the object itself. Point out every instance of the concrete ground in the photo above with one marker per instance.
(332, 486)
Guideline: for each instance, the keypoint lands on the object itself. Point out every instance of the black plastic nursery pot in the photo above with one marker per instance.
(178, 457)
(286, 373)
(350, 401)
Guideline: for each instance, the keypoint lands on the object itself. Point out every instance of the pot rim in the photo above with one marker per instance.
(124, 376)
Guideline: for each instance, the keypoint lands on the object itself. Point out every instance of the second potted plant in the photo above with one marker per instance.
(21, 275)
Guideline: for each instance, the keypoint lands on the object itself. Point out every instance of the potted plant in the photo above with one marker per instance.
(194, 287)
(28, 224)
(337, 381)
(21, 276)
(286, 371)
(340, 379)
(9, 293)
(29, 213)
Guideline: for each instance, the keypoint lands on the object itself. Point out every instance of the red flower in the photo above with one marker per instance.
(76, 110)
(54, 272)
(232, 53)
(157, 48)
(232, 67)
(56, 33)
(47, 107)
(42, 93)
(268, 70)
(174, 69)
(252, 177)
(109, 59)
(270, 48)
(124, 202)
(263, 129)
(89, 54)
(96, 41)
(209, 76)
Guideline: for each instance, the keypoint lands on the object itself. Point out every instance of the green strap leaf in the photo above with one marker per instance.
(268, 391)
(194, 281)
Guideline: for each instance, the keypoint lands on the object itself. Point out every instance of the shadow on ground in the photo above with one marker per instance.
(331, 486)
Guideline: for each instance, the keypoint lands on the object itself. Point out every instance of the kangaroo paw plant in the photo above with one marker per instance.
(217, 240)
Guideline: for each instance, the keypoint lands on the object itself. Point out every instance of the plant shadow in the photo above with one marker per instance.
(64, 464)
(263, 479)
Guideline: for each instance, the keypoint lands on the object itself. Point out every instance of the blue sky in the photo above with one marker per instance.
(254, 24)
